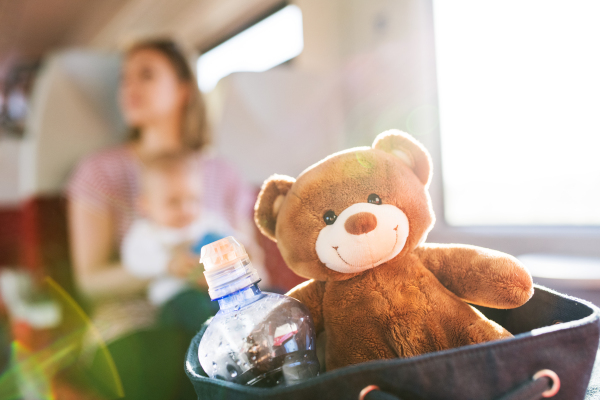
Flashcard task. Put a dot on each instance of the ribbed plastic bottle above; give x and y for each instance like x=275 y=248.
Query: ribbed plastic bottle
x=257 y=338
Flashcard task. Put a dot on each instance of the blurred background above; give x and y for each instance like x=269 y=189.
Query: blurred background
x=505 y=96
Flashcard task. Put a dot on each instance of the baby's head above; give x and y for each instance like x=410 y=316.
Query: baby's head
x=171 y=190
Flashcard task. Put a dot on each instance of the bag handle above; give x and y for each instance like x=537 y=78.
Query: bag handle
x=544 y=384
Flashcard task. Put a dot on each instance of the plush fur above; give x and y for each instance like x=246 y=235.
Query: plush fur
x=354 y=224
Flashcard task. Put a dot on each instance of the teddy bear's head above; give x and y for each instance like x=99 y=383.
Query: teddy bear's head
x=352 y=211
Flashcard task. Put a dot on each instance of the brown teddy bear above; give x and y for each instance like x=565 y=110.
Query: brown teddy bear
x=355 y=224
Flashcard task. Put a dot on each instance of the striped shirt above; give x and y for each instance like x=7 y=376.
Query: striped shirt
x=109 y=181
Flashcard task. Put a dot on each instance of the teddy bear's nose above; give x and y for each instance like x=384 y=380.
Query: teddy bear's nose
x=362 y=222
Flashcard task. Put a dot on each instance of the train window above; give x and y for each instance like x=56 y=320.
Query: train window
x=519 y=94
x=270 y=42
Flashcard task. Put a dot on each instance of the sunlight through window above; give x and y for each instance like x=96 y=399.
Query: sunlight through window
x=272 y=41
x=519 y=95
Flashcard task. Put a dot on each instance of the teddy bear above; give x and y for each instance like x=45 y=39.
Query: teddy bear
x=355 y=225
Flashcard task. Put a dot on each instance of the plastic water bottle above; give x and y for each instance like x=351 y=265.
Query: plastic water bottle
x=257 y=338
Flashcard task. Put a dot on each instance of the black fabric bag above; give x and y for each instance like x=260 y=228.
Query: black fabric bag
x=552 y=332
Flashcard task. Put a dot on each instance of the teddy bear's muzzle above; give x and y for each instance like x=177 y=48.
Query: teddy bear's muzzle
x=363 y=236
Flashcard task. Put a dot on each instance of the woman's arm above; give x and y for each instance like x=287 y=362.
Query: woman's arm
x=91 y=241
x=240 y=198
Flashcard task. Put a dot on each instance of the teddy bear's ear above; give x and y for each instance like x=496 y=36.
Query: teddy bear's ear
x=407 y=149
x=269 y=202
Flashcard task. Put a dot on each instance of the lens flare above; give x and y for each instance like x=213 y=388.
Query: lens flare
x=31 y=371
x=362 y=160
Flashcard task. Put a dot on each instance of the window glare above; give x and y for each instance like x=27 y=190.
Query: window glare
x=519 y=95
x=270 y=42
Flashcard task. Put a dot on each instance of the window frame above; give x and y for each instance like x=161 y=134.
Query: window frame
x=569 y=240
x=253 y=20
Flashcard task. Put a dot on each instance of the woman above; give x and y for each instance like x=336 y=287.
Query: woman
x=163 y=107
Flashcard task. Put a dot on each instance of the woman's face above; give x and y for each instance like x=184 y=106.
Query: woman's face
x=150 y=89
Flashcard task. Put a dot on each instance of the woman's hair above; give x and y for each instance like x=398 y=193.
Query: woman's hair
x=195 y=132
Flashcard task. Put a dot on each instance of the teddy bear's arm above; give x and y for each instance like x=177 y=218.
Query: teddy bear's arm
x=310 y=293
x=477 y=275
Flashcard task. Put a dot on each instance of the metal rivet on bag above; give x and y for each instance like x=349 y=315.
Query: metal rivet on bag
x=366 y=390
x=553 y=377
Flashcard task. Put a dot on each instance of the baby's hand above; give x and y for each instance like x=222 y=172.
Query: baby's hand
x=186 y=265
x=182 y=264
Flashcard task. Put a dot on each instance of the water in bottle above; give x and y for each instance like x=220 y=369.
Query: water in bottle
x=257 y=338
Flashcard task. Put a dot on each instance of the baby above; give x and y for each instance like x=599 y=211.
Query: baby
x=163 y=245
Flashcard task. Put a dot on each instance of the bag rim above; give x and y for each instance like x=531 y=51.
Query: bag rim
x=533 y=335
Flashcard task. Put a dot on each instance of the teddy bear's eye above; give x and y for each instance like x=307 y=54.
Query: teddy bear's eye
x=329 y=217
x=374 y=199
